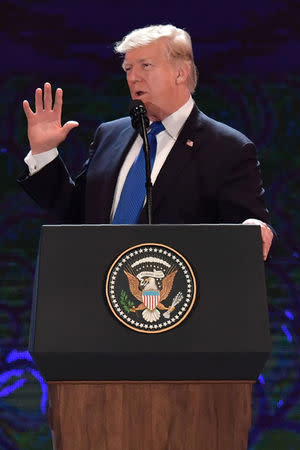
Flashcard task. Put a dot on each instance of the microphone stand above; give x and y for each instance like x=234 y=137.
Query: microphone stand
x=140 y=122
x=148 y=183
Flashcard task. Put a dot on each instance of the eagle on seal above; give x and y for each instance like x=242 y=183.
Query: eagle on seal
x=151 y=288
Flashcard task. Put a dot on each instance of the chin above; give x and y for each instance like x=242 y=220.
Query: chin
x=154 y=112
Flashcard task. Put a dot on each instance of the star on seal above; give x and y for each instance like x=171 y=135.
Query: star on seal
x=150 y=288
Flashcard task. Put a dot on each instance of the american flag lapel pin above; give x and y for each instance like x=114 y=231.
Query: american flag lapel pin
x=190 y=143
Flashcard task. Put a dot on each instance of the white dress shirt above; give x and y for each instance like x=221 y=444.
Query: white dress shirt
x=165 y=141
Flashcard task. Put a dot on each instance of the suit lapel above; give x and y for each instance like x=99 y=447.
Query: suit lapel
x=103 y=173
x=182 y=154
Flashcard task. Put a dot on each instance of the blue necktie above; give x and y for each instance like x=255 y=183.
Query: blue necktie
x=134 y=189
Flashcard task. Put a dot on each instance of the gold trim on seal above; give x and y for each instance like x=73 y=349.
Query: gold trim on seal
x=144 y=245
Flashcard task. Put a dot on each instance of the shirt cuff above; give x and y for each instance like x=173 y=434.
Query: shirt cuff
x=40 y=160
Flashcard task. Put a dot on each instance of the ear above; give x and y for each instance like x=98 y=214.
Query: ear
x=183 y=71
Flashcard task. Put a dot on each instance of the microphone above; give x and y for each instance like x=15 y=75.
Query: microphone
x=138 y=114
x=140 y=123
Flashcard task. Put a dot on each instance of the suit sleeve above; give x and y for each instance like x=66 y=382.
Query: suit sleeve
x=241 y=194
x=53 y=189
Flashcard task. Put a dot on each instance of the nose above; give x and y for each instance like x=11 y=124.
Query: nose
x=134 y=74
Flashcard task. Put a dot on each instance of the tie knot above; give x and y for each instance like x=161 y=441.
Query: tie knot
x=156 y=128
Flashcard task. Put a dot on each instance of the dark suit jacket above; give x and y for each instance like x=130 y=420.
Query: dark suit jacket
x=217 y=180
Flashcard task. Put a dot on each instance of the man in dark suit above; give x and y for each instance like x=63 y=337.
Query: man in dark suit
x=203 y=171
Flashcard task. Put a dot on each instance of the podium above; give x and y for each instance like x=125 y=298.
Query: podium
x=183 y=387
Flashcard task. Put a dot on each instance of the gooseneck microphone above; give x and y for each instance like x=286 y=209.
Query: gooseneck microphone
x=140 y=123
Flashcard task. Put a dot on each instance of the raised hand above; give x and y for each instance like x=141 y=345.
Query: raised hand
x=44 y=125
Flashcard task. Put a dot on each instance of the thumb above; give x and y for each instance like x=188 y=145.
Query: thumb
x=69 y=126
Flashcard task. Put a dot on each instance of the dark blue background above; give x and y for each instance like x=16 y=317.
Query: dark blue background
x=247 y=54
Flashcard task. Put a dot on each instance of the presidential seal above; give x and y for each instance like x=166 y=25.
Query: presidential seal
x=150 y=288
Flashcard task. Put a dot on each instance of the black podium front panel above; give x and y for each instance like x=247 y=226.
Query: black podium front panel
x=75 y=336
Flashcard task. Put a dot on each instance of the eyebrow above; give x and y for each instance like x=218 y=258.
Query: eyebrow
x=138 y=61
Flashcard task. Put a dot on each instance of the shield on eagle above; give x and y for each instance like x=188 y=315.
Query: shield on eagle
x=151 y=299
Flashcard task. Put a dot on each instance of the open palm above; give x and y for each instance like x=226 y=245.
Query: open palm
x=44 y=125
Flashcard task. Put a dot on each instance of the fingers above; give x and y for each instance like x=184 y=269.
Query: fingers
x=27 y=110
x=69 y=126
x=58 y=101
x=47 y=96
x=266 y=235
x=46 y=105
x=38 y=100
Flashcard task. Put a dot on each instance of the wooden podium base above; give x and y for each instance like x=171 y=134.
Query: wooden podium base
x=201 y=415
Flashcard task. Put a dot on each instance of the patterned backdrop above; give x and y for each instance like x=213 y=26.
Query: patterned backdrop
x=249 y=77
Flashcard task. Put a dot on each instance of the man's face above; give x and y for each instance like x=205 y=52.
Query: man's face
x=152 y=79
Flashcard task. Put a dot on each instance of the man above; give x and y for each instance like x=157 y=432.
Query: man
x=203 y=171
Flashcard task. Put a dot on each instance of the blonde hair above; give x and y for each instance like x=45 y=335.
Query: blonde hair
x=178 y=45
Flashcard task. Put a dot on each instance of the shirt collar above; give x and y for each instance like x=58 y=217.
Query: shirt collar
x=175 y=121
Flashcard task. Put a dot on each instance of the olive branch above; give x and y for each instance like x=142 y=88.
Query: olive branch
x=127 y=304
